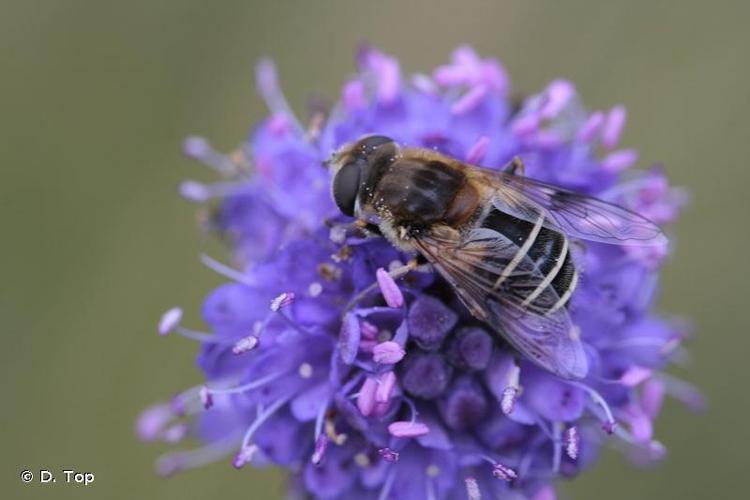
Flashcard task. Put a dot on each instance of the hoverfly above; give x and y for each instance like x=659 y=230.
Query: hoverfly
x=500 y=239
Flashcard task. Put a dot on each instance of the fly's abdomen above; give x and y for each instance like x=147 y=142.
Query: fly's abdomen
x=549 y=250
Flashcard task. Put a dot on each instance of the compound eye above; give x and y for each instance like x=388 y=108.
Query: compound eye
x=368 y=144
x=346 y=187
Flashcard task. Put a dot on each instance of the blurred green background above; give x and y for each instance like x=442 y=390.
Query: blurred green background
x=97 y=97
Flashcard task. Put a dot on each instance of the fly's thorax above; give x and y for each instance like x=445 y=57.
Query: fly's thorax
x=417 y=191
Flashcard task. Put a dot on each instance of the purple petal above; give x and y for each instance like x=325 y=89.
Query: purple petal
x=430 y=321
x=425 y=375
x=553 y=399
x=349 y=338
x=152 y=421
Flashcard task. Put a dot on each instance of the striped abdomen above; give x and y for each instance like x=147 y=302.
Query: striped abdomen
x=548 y=249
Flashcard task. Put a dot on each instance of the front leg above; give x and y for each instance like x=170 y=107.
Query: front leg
x=515 y=167
x=368 y=227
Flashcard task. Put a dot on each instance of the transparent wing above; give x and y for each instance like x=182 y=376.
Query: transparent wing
x=473 y=265
x=577 y=215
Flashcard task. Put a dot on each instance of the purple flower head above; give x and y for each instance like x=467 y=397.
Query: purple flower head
x=328 y=355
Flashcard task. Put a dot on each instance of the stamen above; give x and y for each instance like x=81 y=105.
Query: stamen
x=384 y=70
x=337 y=234
x=635 y=375
x=504 y=472
x=591 y=127
x=268 y=86
x=390 y=290
x=283 y=300
x=289 y=321
x=195 y=191
x=545 y=493
x=657 y=450
x=512 y=389
x=366 y=396
x=388 y=455
x=641 y=426
x=403 y=429
x=206 y=398
x=424 y=84
x=412 y=408
x=558 y=94
x=652 y=397
x=185 y=403
x=175 y=433
x=198 y=148
x=244 y=456
x=226 y=271
x=245 y=344
x=476 y=152
x=617 y=161
x=199 y=192
x=613 y=126
x=609 y=426
x=170 y=320
x=319 y=419
x=167 y=465
x=572 y=441
x=385 y=491
x=262 y=417
x=671 y=345
x=198 y=336
x=508 y=402
x=368 y=330
x=394 y=275
x=386 y=384
x=530 y=452
x=353 y=95
x=665 y=346
x=469 y=100
x=525 y=125
x=472 y=489
x=246 y=387
x=388 y=353
x=683 y=392
x=609 y=423
x=152 y=421
x=321 y=444
x=278 y=125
